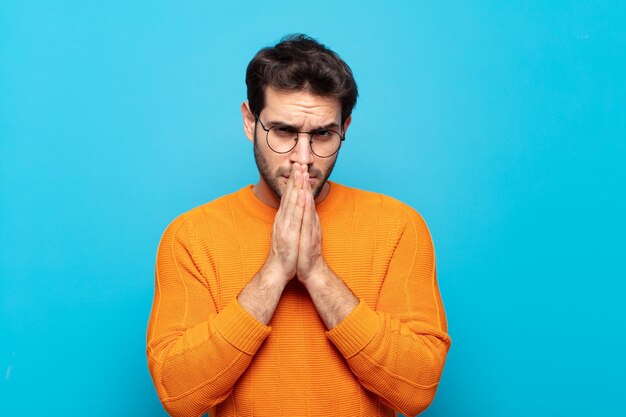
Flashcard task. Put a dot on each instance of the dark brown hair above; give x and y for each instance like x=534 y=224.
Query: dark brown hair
x=298 y=62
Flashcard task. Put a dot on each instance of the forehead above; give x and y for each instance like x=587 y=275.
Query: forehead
x=301 y=107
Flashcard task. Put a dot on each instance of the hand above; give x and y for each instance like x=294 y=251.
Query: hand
x=283 y=256
x=310 y=259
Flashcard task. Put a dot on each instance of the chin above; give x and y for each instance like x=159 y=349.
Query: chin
x=278 y=186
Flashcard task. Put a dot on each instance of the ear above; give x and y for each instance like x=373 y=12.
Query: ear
x=346 y=124
x=248 y=121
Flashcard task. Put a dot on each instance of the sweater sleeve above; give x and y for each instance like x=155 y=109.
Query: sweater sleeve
x=195 y=353
x=398 y=349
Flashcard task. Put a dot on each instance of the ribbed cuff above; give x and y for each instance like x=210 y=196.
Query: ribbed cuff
x=355 y=331
x=240 y=329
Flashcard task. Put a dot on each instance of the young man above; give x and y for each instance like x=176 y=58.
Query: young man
x=297 y=296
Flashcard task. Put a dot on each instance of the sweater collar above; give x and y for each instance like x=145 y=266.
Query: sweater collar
x=252 y=206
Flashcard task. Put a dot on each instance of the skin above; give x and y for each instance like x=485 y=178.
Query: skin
x=294 y=183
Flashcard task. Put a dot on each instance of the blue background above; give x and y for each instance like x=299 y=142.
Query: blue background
x=503 y=123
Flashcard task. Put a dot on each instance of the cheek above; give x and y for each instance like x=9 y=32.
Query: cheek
x=323 y=169
x=271 y=164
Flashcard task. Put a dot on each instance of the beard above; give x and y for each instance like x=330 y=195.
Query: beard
x=272 y=179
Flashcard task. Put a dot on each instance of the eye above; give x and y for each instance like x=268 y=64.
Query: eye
x=324 y=134
x=284 y=132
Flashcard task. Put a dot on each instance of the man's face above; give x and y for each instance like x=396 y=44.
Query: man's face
x=304 y=112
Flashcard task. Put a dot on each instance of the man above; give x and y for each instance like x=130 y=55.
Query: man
x=297 y=296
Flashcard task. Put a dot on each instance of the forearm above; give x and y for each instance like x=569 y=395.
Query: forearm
x=213 y=361
x=196 y=352
x=333 y=300
x=219 y=350
x=400 y=361
x=387 y=357
x=397 y=345
x=261 y=295
x=198 y=367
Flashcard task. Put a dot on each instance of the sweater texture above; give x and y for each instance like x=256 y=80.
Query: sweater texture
x=207 y=354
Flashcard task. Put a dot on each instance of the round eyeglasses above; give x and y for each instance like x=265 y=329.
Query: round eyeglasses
x=282 y=139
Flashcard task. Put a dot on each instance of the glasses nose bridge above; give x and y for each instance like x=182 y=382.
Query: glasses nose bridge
x=309 y=134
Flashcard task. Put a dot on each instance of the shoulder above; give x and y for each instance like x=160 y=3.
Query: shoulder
x=199 y=216
x=386 y=207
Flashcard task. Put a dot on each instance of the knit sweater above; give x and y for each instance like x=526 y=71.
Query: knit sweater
x=206 y=353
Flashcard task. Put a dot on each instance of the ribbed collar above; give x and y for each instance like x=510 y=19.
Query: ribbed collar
x=249 y=203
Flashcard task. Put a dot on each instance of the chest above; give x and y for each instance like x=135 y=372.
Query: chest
x=358 y=252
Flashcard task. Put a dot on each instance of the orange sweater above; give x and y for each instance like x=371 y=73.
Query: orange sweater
x=205 y=352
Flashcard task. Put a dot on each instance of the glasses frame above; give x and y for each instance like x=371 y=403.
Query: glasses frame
x=297 y=137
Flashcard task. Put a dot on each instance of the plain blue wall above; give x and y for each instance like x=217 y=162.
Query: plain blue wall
x=503 y=123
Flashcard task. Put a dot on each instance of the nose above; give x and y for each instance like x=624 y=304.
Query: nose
x=302 y=153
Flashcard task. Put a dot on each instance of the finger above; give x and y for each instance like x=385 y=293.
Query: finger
x=315 y=228
x=305 y=231
x=295 y=224
x=307 y=191
x=292 y=200
x=285 y=197
x=300 y=203
x=315 y=224
x=311 y=206
x=288 y=197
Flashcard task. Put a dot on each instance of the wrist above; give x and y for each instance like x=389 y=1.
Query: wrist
x=273 y=273
x=317 y=278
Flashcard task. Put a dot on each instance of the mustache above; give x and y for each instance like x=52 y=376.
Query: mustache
x=313 y=172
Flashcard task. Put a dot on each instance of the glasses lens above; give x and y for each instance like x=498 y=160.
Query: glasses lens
x=325 y=143
x=281 y=139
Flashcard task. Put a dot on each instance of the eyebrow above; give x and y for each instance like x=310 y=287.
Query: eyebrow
x=328 y=126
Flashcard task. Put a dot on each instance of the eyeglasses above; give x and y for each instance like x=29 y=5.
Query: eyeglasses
x=282 y=139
